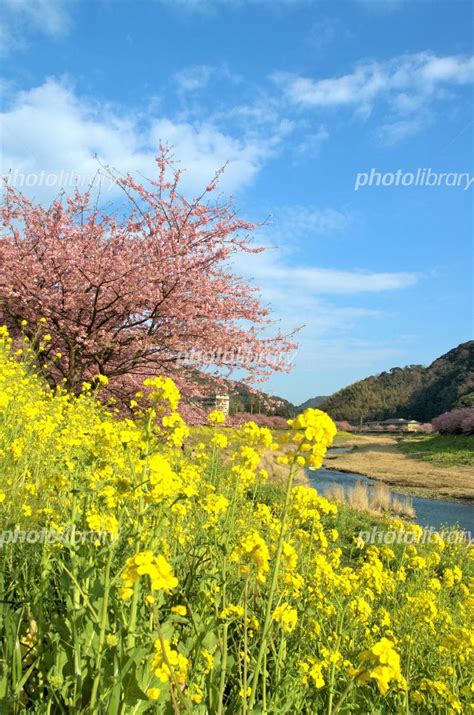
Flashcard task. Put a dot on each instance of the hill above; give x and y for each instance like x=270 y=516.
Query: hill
x=244 y=399
x=312 y=402
x=415 y=391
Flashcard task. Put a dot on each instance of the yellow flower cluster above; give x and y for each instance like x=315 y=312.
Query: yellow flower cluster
x=312 y=431
x=252 y=550
x=382 y=663
x=162 y=390
x=176 y=429
x=168 y=663
x=286 y=616
x=216 y=588
x=216 y=417
x=146 y=563
x=102 y=522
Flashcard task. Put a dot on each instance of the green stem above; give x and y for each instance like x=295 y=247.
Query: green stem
x=229 y=518
x=133 y=615
x=279 y=658
x=136 y=587
x=333 y=665
x=103 y=626
x=244 y=710
x=344 y=694
x=75 y=604
x=264 y=687
x=276 y=570
x=220 y=708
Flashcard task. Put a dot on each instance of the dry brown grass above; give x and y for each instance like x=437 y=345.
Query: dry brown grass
x=380 y=497
x=379 y=458
x=376 y=500
x=403 y=506
x=336 y=493
x=358 y=497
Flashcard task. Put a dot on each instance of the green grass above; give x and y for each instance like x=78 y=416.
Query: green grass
x=342 y=437
x=444 y=450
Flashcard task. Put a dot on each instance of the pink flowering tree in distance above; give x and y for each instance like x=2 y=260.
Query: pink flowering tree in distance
x=460 y=421
x=130 y=292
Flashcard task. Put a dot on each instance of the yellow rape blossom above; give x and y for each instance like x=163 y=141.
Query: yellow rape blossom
x=146 y=563
x=216 y=417
x=382 y=664
x=286 y=616
x=252 y=549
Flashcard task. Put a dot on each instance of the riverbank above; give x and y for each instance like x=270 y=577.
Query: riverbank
x=380 y=457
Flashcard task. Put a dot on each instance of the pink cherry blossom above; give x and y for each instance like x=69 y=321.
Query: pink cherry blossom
x=128 y=292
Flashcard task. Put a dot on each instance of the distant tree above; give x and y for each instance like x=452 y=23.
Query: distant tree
x=426 y=427
x=132 y=294
x=270 y=421
x=466 y=400
x=467 y=424
x=455 y=422
x=344 y=426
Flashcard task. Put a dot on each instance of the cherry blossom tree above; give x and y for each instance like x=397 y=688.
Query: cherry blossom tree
x=345 y=426
x=129 y=292
x=460 y=421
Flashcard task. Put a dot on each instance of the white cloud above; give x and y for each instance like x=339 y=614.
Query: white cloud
x=448 y=69
x=262 y=111
x=268 y=268
x=194 y=77
x=311 y=143
x=203 y=149
x=307 y=221
x=300 y=295
x=49 y=128
x=356 y=88
x=382 y=5
x=393 y=132
x=321 y=302
x=306 y=296
x=206 y=5
x=20 y=18
x=197 y=77
x=407 y=84
x=352 y=352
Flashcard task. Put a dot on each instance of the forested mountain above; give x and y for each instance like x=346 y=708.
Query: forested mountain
x=415 y=391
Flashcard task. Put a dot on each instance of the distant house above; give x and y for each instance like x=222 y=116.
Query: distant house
x=401 y=424
x=395 y=423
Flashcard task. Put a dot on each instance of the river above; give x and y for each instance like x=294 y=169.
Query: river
x=437 y=513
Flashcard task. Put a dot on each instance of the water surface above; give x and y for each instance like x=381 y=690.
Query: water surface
x=437 y=513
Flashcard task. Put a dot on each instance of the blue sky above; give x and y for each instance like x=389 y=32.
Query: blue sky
x=299 y=97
